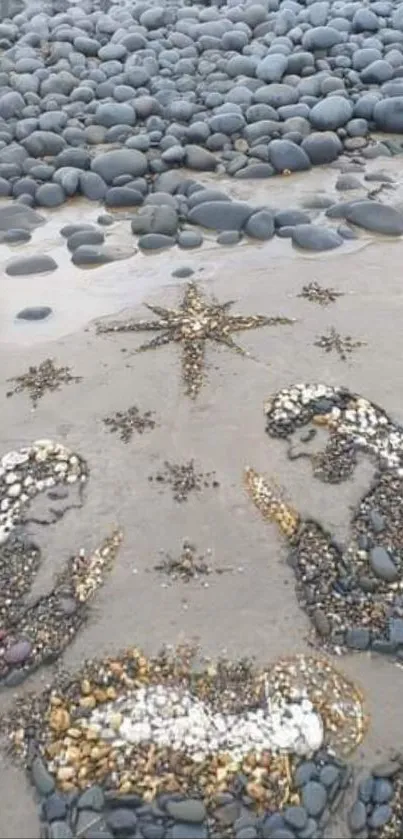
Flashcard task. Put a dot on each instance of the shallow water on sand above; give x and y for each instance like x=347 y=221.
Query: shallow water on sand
x=78 y=295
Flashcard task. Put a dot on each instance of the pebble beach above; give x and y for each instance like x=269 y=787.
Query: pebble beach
x=201 y=497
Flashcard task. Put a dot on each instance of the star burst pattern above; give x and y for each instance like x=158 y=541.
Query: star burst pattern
x=191 y=325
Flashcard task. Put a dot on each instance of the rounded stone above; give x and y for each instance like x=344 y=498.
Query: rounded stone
x=296 y=817
x=382 y=564
x=112 y=164
x=50 y=195
x=123 y=196
x=383 y=791
x=314 y=798
x=287 y=156
x=200 y=159
x=189 y=239
x=15 y=236
x=272 y=68
x=189 y=810
x=114 y=113
x=34 y=313
x=358 y=638
x=376 y=217
x=388 y=114
x=92 y=186
x=155 y=219
x=322 y=148
x=380 y=816
x=183 y=272
x=155 y=241
x=85 y=237
x=332 y=112
x=229 y=237
x=90 y=255
x=286 y=218
x=357 y=817
x=210 y=214
x=25 y=265
x=260 y=225
x=18 y=652
x=313 y=238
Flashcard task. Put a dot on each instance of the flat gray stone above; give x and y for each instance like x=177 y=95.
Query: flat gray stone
x=260 y=225
x=382 y=564
x=85 y=237
x=123 y=196
x=155 y=219
x=313 y=238
x=18 y=215
x=42 y=779
x=189 y=810
x=200 y=159
x=189 y=239
x=34 y=313
x=357 y=817
x=111 y=164
x=314 y=798
x=210 y=215
x=36 y=264
x=229 y=237
x=287 y=156
x=155 y=241
x=376 y=217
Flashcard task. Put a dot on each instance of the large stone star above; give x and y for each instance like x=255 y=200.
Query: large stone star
x=194 y=323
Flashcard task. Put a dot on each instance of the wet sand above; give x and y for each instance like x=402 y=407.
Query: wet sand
x=253 y=610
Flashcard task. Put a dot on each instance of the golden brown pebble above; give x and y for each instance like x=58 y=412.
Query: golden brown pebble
x=270 y=504
x=194 y=323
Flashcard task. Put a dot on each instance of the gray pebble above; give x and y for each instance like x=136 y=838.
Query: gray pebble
x=383 y=791
x=382 y=564
x=313 y=238
x=229 y=237
x=289 y=218
x=182 y=272
x=122 y=196
x=358 y=638
x=189 y=239
x=200 y=159
x=314 y=798
x=24 y=265
x=54 y=807
x=296 y=817
x=376 y=217
x=357 y=817
x=380 y=816
x=187 y=830
x=210 y=214
x=34 y=313
x=322 y=148
x=42 y=779
x=60 y=830
x=111 y=164
x=15 y=236
x=260 y=225
x=189 y=810
x=50 y=195
x=287 y=156
x=92 y=799
x=155 y=241
x=85 y=237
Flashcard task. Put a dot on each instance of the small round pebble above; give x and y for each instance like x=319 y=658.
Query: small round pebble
x=34 y=313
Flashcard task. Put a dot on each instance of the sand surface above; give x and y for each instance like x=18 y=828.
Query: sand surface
x=253 y=609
